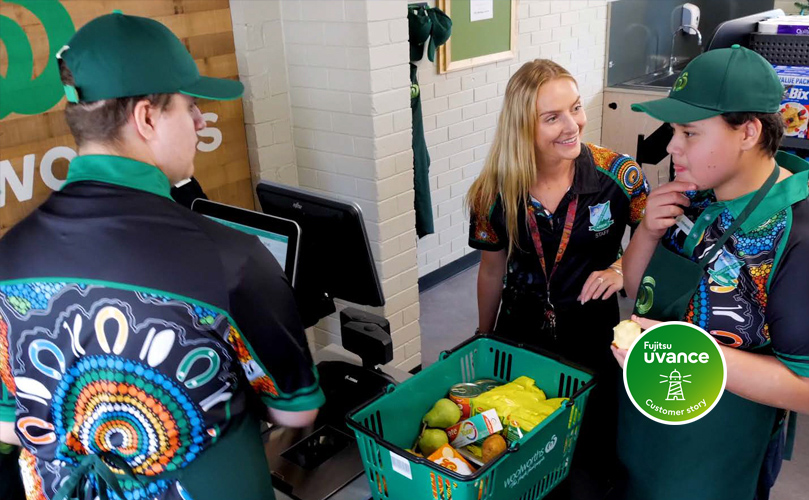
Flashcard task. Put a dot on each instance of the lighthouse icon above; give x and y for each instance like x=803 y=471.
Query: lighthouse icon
x=675 y=381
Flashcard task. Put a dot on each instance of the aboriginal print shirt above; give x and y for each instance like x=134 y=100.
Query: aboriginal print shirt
x=611 y=190
x=755 y=293
x=132 y=326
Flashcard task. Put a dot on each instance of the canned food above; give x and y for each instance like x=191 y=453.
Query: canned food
x=487 y=384
x=462 y=394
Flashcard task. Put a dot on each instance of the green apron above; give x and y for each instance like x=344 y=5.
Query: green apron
x=234 y=467
x=718 y=457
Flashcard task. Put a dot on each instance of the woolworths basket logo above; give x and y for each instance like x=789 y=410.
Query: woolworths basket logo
x=20 y=92
x=532 y=463
x=675 y=373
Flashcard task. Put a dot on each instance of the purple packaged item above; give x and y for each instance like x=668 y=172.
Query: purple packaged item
x=793 y=29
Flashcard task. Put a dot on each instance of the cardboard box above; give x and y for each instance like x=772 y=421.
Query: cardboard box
x=795 y=103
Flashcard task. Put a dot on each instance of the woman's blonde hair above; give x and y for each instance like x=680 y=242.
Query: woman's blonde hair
x=510 y=168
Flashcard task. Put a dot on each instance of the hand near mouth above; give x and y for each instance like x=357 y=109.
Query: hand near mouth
x=664 y=205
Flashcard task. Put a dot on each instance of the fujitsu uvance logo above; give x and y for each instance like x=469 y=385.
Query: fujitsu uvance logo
x=20 y=92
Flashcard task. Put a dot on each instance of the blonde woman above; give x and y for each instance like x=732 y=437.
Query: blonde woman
x=549 y=213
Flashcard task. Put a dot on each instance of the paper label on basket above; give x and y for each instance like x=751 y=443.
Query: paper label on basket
x=401 y=465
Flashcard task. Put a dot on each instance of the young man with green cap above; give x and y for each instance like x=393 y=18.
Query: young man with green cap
x=140 y=343
x=723 y=247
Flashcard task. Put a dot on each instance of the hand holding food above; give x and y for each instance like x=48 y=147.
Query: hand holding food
x=625 y=334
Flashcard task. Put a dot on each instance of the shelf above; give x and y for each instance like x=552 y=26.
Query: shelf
x=795 y=143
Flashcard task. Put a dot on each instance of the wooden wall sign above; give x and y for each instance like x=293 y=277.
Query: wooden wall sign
x=35 y=142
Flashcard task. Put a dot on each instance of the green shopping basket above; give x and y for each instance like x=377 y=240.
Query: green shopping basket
x=528 y=470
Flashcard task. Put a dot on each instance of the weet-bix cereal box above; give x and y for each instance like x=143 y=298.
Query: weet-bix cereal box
x=795 y=80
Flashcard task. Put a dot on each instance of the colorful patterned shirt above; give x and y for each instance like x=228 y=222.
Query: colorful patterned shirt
x=131 y=326
x=611 y=190
x=755 y=292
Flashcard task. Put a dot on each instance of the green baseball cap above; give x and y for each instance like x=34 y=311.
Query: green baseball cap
x=117 y=55
x=719 y=81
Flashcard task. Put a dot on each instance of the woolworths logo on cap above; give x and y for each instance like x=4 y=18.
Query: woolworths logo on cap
x=681 y=82
x=675 y=373
x=20 y=91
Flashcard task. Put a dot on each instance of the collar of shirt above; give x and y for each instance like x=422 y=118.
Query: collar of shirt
x=585 y=181
x=785 y=193
x=120 y=171
x=585 y=177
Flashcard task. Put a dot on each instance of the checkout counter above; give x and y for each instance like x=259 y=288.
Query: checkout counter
x=341 y=476
x=323 y=462
x=323 y=247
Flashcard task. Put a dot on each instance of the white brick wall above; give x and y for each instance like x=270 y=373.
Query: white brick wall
x=259 y=42
x=349 y=85
x=460 y=109
x=327 y=107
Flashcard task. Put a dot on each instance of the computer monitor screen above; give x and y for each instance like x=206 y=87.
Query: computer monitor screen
x=277 y=244
x=737 y=31
x=335 y=255
x=280 y=236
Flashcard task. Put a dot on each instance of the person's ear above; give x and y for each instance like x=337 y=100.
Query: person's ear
x=751 y=134
x=143 y=118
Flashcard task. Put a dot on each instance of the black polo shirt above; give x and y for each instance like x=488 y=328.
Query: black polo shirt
x=131 y=325
x=611 y=190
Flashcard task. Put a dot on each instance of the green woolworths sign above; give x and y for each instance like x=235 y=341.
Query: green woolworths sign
x=20 y=92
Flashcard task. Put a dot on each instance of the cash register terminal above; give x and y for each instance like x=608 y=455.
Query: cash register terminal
x=322 y=244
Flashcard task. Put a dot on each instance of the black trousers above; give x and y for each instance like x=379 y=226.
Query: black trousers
x=11 y=487
x=583 y=336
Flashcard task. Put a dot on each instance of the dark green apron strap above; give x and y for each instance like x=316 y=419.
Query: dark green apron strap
x=79 y=484
x=791 y=426
x=748 y=209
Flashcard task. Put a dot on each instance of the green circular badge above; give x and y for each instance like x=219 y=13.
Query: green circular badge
x=675 y=373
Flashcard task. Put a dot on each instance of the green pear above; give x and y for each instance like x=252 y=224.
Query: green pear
x=445 y=413
x=431 y=440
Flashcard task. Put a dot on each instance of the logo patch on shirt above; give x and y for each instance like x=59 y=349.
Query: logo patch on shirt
x=725 y=272
x=600 y=217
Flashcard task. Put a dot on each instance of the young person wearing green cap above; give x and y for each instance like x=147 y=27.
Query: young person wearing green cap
x=140 y=343
x=723 y=247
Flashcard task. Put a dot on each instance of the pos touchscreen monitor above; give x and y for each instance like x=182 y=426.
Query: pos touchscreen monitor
x=335 y=256
x=280 y=236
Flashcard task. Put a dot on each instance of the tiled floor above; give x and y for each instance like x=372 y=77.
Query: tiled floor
x=449 y=316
